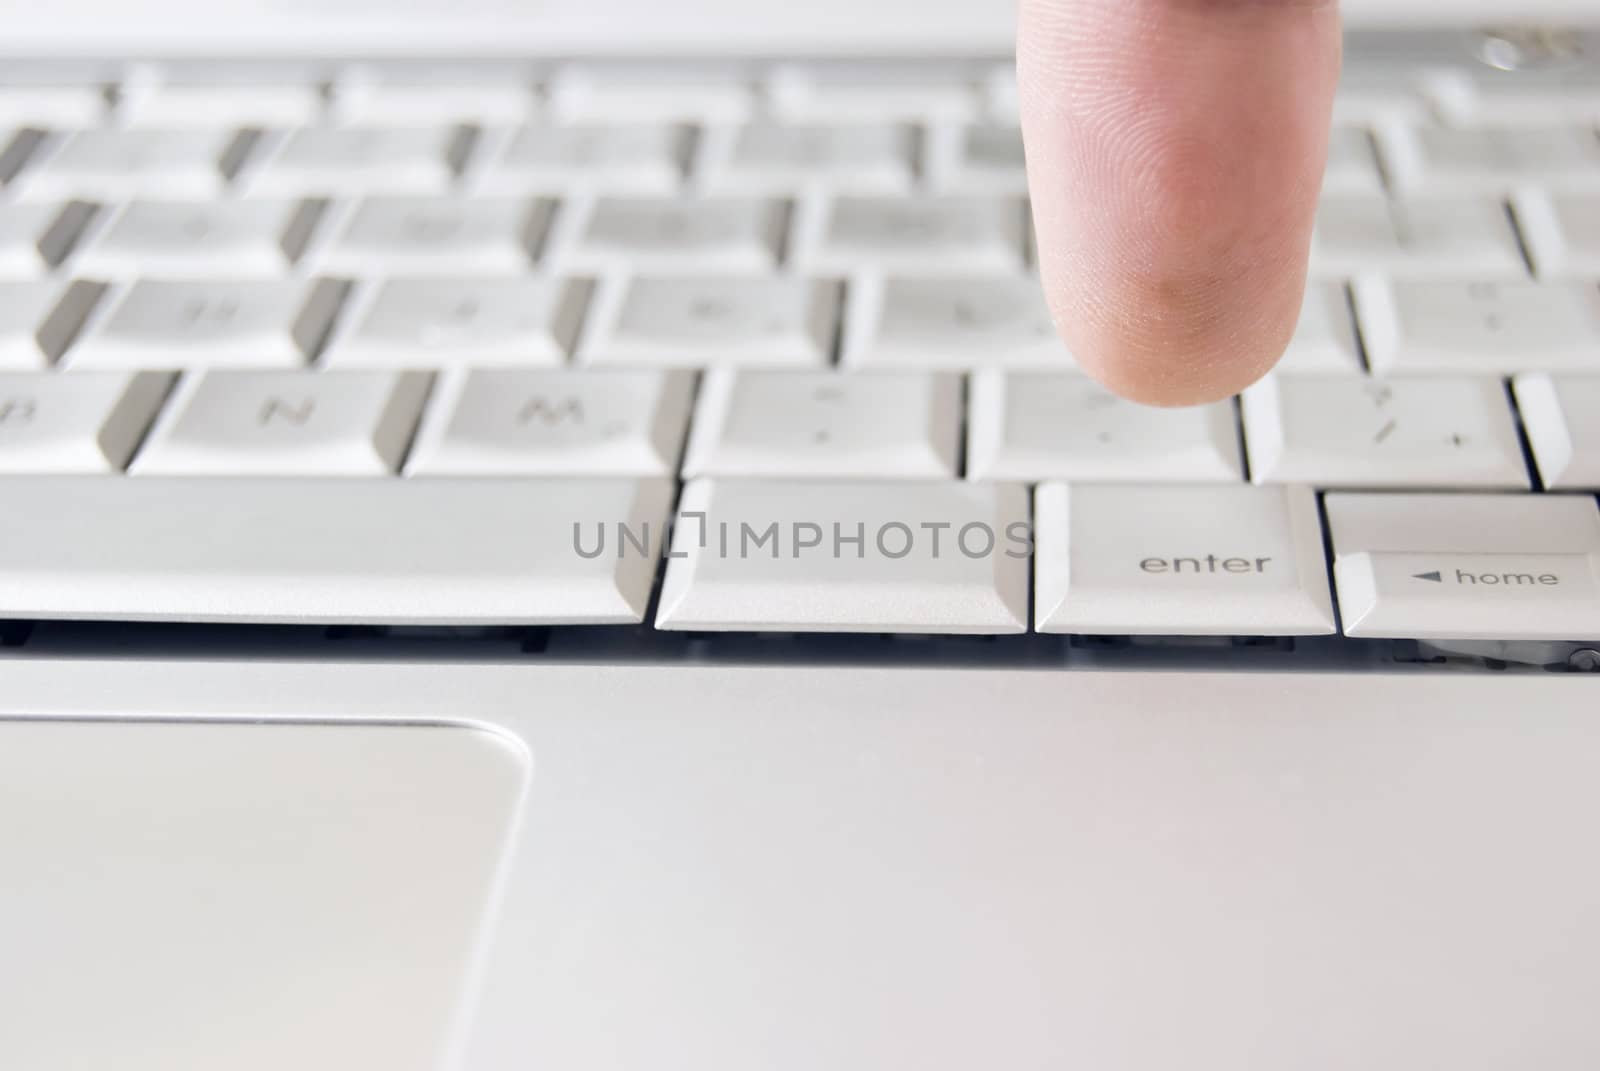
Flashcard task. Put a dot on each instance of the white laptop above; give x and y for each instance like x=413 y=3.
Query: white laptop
x=540 y=534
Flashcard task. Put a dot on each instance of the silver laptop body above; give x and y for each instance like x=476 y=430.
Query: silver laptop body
x=557 y=535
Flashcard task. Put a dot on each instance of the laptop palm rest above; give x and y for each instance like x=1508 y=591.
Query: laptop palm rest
x=245 y=896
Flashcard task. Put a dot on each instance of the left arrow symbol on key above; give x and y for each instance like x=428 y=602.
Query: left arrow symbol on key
x=1433 y=576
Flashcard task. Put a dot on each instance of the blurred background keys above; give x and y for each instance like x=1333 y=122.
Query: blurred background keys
x=623 y=159
x=88 y=422
x=715 y=235
x=39 y=319
x=327 y=161
x=430 y=321
x=773 y=321
x=912 y=236
x=960 y=323
x=35 y=236
x=111 y=164
x=771 y=158
x=1448 y=237
x=1486 y=328
x=1563 y=233
x=286 y=424
x=428 y=235
x=163 y=323
x=237 y=238
x=489 y=422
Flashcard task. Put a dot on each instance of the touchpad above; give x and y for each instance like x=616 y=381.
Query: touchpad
x=245 y=896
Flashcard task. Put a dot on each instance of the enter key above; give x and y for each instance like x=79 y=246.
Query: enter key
x=1478 y=567
x=1185 y=560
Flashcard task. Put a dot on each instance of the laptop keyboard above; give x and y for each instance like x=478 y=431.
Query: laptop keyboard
x=763 y=349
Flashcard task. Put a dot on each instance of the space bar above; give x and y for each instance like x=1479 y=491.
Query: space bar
x=328 y=551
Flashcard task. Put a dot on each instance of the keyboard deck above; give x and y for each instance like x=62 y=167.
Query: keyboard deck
x=759 y=348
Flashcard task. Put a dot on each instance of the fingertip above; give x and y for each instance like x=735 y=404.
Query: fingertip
x=1179 y=339
x=1175 y=153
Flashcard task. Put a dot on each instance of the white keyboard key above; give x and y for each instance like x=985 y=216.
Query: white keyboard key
x=177 y=105
x=555 y=423
x=956 y=323
x=1352 y=162
x=39 y=319
x=1324 y=341
x=437 y=235
x=805 y=556
x=1562 y=418
x=87 y=422
x=770 y=158
x=434 y=322
x=443 y=95
x=310 y=551
x=977 y=159
x=59 y=106
x=1474 y=567
x=286 y=424
x=333 y=161
x=1425 y=159
x=877 y=93
x=912 y=236
x=1345 y=432
x=35 y=237
x=1563 y=233
x=113 y=164
x=166 y=323
x=628 y=159
x=1000 y=94
x=654 y=235
x=1479 y=328
x=1180 y=561
x=17 y=147
x=823 y=425
x=232 y=238
x=1059 y=426
x=635 y=93
x=1562 y=93
x=776 y=321
x=1448 y=237
x=1375 y=93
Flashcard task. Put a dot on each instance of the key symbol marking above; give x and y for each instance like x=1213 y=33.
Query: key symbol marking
x=965 y=315
x=289 y=412
x=543 y=410
x=17 y=411
x=709 y=309
x=218 y=313
x=431 y=228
